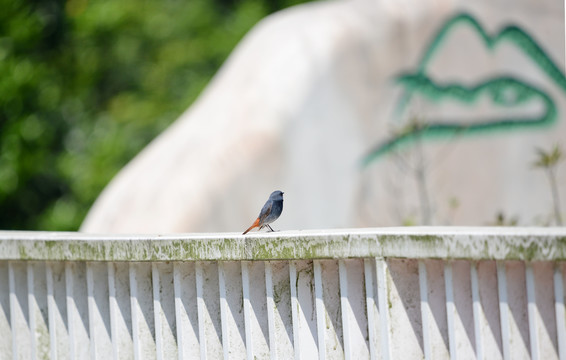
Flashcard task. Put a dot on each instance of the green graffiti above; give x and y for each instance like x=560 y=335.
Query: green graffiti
x=511 y=33
x=504 y=92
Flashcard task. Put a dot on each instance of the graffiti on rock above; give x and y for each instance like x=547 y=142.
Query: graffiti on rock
x=503 y=92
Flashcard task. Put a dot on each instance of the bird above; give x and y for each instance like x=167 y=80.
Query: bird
x=269 y=212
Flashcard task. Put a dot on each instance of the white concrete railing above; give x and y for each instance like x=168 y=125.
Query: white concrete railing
x=392 y=293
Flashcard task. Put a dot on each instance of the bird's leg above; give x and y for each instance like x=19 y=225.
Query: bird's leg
x=269 y=227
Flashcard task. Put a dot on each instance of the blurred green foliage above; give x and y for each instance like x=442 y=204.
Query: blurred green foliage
x=85 y=85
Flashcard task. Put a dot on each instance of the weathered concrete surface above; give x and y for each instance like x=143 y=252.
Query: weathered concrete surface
x=417 y=243
x=312 y=92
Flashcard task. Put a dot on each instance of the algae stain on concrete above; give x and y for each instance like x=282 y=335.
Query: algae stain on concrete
x=279 y=290
x=23 y=252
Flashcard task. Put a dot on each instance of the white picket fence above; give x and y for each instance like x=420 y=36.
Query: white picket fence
x=393 y=293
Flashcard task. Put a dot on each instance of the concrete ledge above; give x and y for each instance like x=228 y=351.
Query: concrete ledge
x=410 y=242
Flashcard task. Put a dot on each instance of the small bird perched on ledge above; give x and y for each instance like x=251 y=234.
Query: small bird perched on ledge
x=270 y=211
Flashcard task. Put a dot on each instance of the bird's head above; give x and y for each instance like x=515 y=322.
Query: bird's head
x=276 y=195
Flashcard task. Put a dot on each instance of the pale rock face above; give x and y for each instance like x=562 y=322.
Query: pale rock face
x=311 y=91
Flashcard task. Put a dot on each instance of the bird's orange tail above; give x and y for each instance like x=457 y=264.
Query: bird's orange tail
x=255 y=224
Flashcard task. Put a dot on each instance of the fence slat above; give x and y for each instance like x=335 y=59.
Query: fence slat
x=371 y=308
x=157 y=311
x=382 y=295
x=477 y=311
x=425 y=310
x=450 y=309
x=345 y=308
x=113 y=309
x=91 y=310
x=51 y=311
x=531 y=299
x=201 y=308
x=5 y=326
x=21 y=336
x=295 y=310
x=134 y=306
x=559 y=310
x=320 y=311
x=72 y=311
x=32 y=304
x=270 y=311
x=503 y=309
x=223 y=311
x=247 y=310
x=13 y=309
x=179 y=311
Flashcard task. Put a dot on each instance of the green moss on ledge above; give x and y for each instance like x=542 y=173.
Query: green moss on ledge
x=534 y=244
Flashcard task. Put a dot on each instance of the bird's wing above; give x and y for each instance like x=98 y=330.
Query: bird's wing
x=265 y=211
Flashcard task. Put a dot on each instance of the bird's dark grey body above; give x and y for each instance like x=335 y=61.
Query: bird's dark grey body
x=272 y=208
x=269 y=212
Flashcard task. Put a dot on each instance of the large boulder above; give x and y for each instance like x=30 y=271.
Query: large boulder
x=364 y=113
